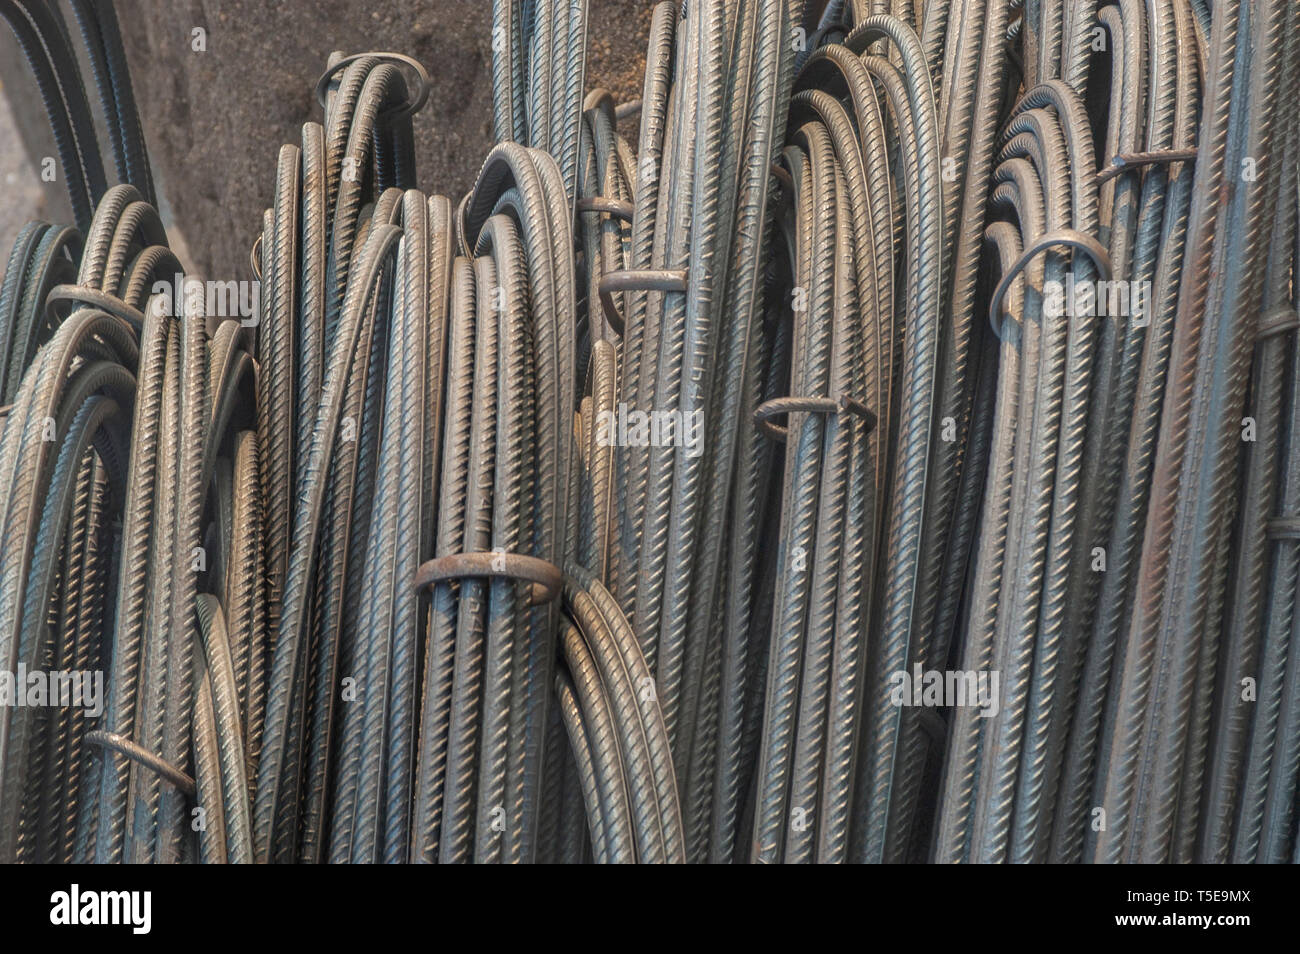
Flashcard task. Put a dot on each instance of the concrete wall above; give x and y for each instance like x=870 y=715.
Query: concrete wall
x=215 y=120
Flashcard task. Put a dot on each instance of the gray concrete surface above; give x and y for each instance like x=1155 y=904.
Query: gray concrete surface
x=214 y=120
x=24 y=198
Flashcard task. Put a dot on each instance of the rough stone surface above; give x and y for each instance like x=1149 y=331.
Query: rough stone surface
x=215 y=120
x=24 y=199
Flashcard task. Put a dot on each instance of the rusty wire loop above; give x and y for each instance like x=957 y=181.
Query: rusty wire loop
x=546 y=579
x=125 y=747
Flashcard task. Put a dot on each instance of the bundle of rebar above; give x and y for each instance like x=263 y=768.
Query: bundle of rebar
x=878 y=443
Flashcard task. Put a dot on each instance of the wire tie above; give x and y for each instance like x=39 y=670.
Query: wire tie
x=1277 y=322
x=255 y=257
x=636 y=279
x=809 y=405
x=143 y=757
x=546 y=578
x=1067 y=237
x=615 y=207
x=782 y=173
x=1127 y=161
x=412 y=105
x=93 y=298
x=1283 y=528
